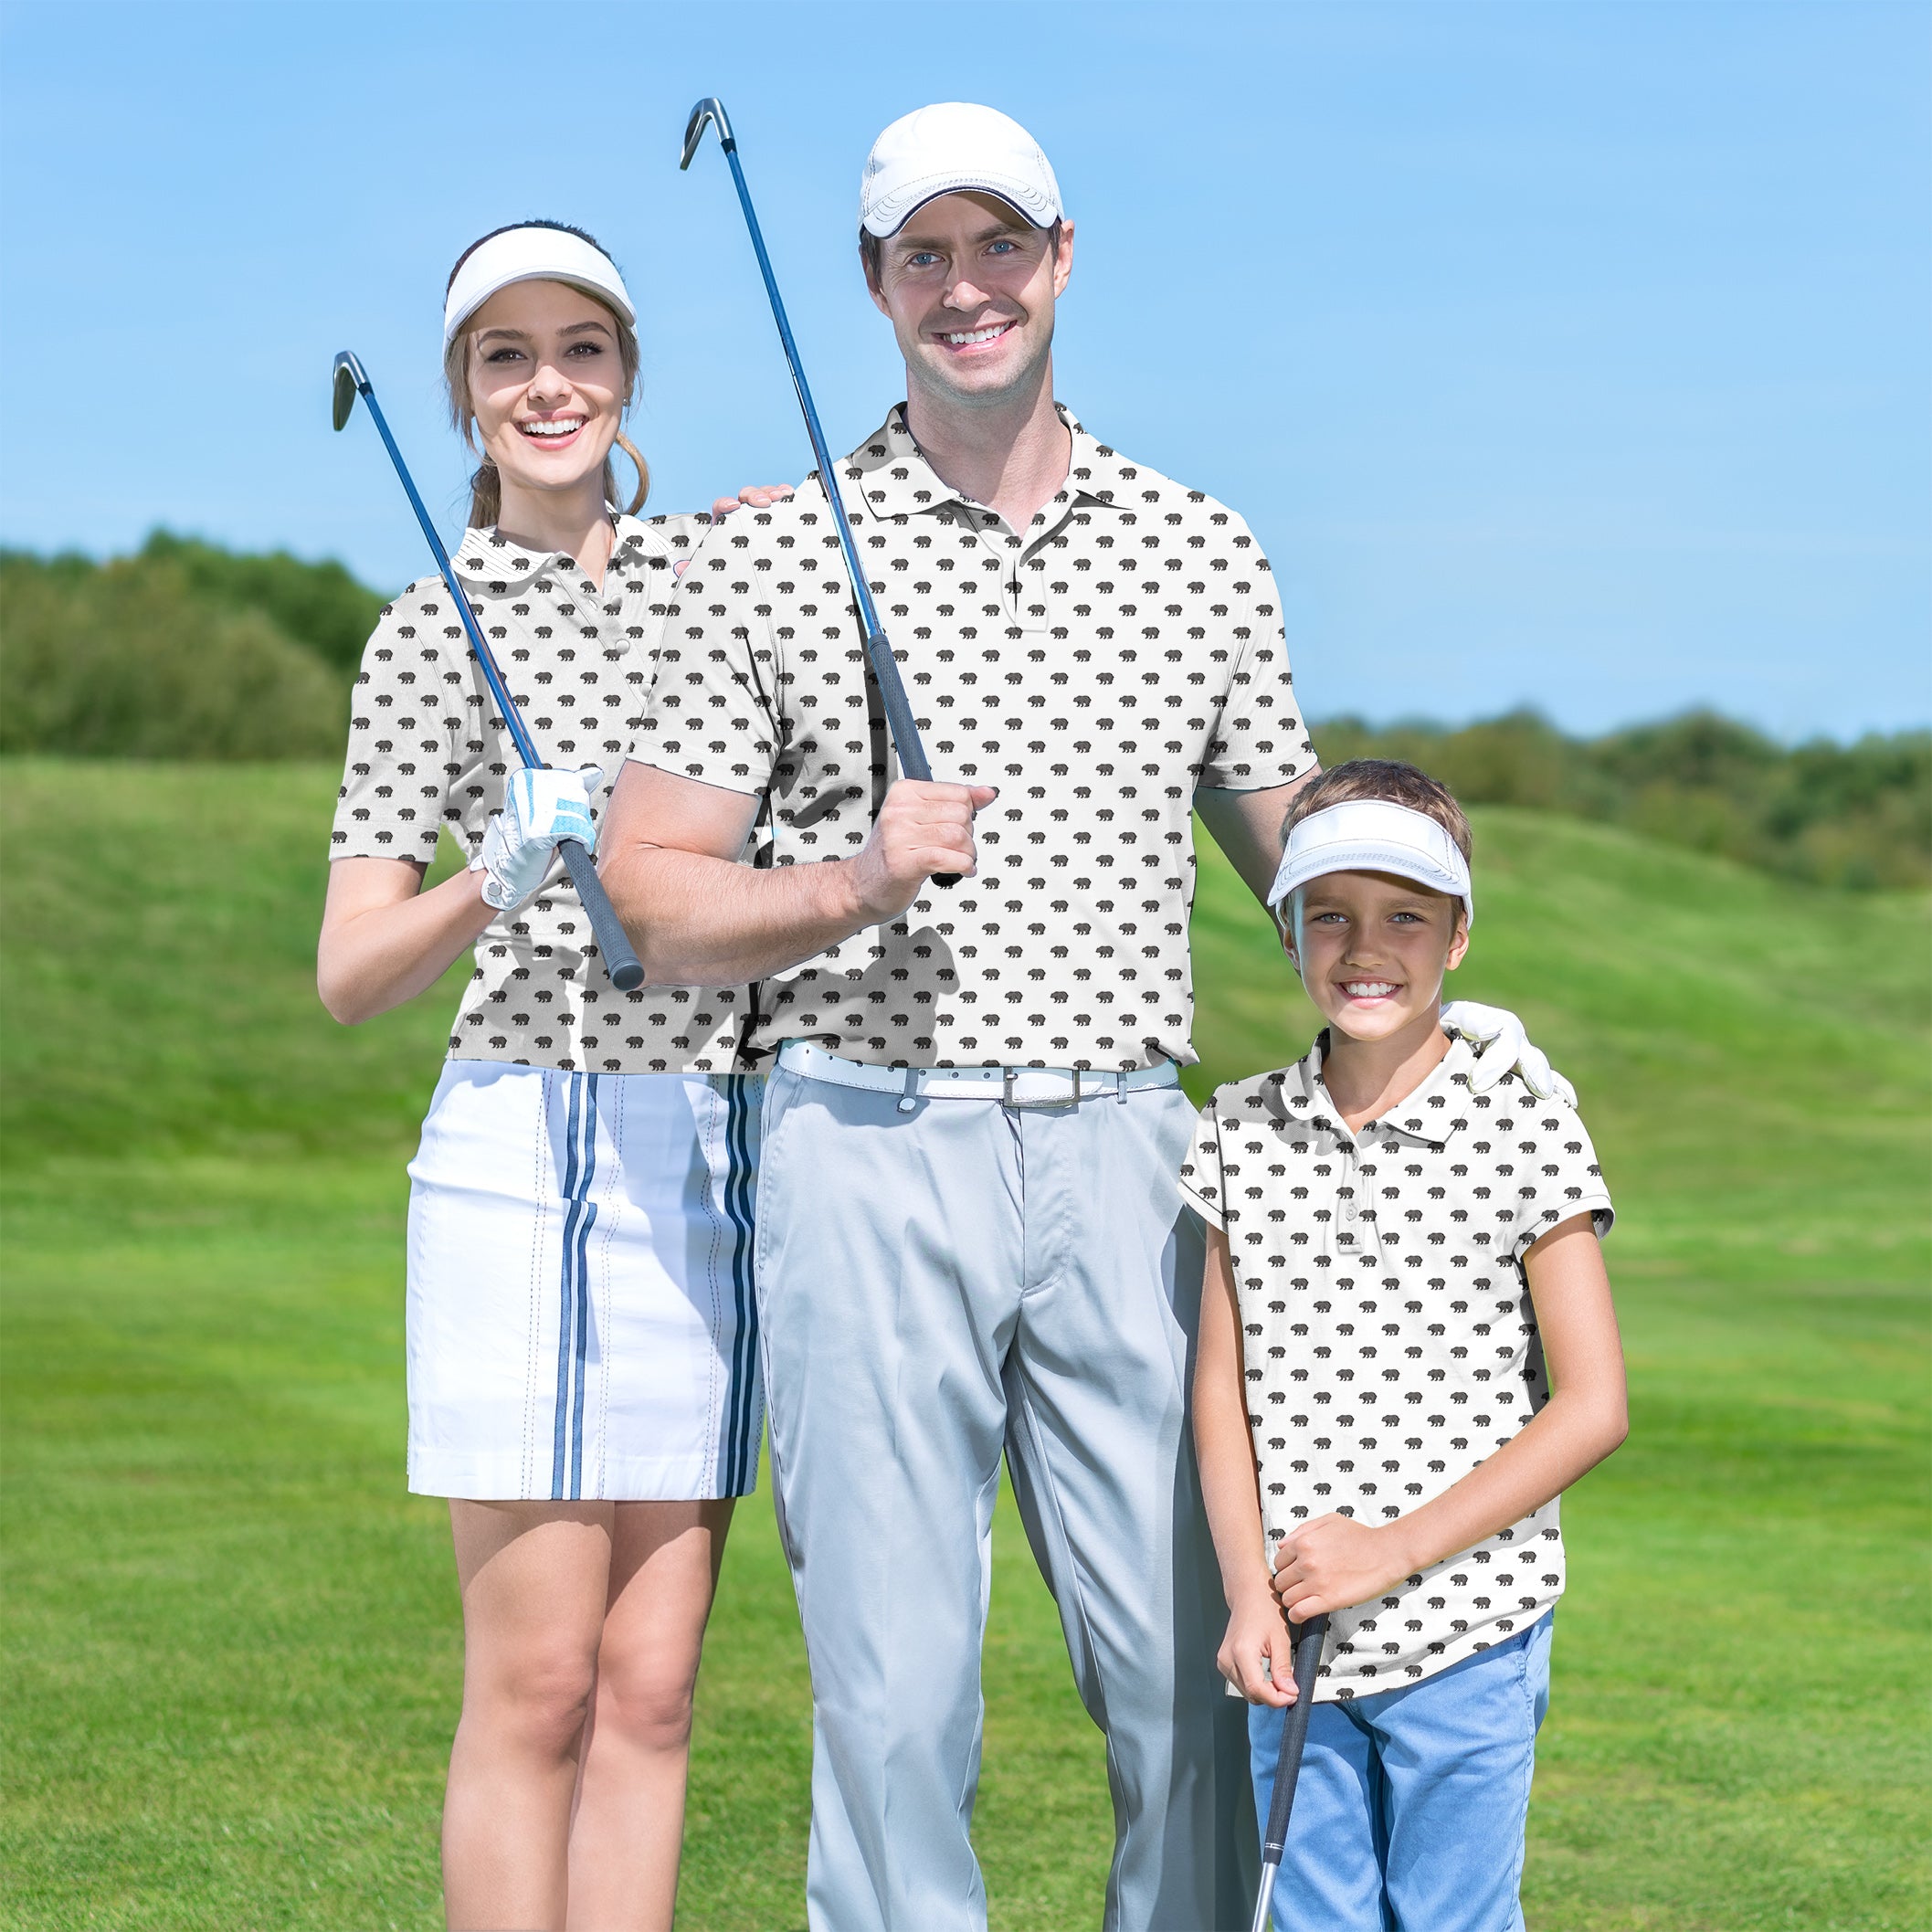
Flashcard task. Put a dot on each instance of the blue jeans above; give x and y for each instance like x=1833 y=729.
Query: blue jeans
x=1409 y=1813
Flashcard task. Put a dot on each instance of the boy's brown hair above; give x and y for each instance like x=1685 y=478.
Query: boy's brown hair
x=1387 y=779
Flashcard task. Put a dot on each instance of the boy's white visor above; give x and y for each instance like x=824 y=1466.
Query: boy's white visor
x=532 y=254
x=1374 y=835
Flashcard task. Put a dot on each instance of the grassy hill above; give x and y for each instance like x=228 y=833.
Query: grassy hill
x=232 y=1642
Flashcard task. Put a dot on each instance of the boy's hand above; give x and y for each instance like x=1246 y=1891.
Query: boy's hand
x=1335 y=1563
x=1257 y=1655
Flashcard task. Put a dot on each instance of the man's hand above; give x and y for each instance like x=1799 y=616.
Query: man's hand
x=1257 y=1655
x=754 y=496
x=1335 y=1563
x=1504 y=1044
x=920 y=829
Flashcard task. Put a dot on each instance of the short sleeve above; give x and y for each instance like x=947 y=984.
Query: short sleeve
x=1558 y=1173
x=1260 y=739
x=1200 y=1174
x=713 y=712
x=406 y=728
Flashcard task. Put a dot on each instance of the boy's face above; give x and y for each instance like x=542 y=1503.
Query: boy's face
x=1372 y=949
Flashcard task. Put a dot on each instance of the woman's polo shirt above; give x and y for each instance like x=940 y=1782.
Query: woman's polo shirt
x=427 y=749
x=1388 y=1342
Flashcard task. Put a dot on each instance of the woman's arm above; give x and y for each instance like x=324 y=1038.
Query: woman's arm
x=1334 y=1561
x=384 y=940
x=1256 y=1656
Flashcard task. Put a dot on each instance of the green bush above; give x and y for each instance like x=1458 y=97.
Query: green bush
x=130 y=659
x=318 y=605
x=188 y=650
x=1851 y=815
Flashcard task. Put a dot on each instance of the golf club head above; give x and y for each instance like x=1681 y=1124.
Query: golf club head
x=349 y=378
x=710 y=109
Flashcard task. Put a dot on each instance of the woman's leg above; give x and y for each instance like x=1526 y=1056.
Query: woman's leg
x=535 y=1580
x=629 y=1823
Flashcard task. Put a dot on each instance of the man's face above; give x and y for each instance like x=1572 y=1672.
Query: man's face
x=969 y=286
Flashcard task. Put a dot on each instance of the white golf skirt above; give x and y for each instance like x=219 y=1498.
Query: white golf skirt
x=581 y=1321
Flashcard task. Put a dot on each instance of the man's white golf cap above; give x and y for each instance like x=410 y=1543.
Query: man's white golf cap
x=535 y=252
x=955 y=148
x=1374 y=835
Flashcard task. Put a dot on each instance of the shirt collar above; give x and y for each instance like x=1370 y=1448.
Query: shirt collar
x=487 y=556
x=890 y=473
x=1429 y=1113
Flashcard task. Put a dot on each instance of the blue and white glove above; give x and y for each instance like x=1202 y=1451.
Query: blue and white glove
x=1499 y=1034
x=519 y=845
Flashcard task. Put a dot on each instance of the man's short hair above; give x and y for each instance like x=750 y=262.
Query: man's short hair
x=1385 y=778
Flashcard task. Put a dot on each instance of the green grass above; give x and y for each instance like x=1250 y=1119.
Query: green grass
x=231 y=1650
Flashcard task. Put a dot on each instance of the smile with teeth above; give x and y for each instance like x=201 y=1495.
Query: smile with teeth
x=1369 y=989
x=971 y=338
x=556 y=425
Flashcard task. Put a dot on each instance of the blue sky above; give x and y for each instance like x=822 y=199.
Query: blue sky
x=1564 y=353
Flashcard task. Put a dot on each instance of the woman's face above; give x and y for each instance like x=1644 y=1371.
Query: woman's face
x=546 y=382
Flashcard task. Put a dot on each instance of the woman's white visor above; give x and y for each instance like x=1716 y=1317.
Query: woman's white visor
x=533 y=254
x=1374 y=835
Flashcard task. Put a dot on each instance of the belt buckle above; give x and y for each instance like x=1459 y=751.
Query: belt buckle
x=1062 y=1100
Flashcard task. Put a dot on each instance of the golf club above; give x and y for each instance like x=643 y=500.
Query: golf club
x=1308 y=1638
x=878 y=649
x=620 y=959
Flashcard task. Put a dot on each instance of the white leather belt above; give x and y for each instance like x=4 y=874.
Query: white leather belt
x=1011 y=1086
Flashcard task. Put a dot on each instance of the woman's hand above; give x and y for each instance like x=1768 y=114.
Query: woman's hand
x=1257 y=1655
x=754 y=496
x=1335 y=1563
x=541 y=809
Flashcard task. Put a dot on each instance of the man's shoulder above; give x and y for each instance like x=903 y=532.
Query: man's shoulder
x=800 y=528
x=1140 y=490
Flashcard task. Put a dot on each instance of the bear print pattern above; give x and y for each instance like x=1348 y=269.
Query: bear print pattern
x=427 y=749
x=1097 y=668
x=1387 y=1339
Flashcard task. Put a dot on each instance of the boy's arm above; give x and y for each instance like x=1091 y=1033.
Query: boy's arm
x=1335 y=1562
x=1257 y=1638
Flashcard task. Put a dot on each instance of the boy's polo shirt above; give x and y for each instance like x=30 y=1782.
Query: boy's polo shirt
x=1096 y=667
x=1387 y=1339
x=426 y=749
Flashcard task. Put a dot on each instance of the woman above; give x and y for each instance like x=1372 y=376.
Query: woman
x=582 y=1346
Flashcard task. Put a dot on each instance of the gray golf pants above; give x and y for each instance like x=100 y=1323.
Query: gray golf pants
x=937 y=1285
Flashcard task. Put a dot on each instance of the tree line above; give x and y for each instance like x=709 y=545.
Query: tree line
x=188 y=650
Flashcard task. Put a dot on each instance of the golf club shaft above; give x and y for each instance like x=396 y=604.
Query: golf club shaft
x=1308 y=1638
x=620 y=958
x=885 y=666
x=899 y=719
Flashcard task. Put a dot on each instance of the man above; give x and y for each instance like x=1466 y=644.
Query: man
x=970 y=1235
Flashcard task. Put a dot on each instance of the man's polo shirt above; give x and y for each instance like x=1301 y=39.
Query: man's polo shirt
x=428 y=748
x=1387 y=1339
x=1097 y=667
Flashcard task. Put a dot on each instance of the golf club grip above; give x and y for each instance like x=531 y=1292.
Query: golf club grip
x=620 y=959
x=900 y=722
x=1308 y=1639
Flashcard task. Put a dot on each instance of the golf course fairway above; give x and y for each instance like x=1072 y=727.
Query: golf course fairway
x=232 y=1652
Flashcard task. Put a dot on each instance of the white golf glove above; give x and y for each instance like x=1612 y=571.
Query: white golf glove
x=1504 y=1045
x=519 y=845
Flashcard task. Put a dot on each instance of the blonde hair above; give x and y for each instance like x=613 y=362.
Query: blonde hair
x=486 y=487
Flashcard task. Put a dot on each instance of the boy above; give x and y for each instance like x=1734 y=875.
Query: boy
x=1406 y=1352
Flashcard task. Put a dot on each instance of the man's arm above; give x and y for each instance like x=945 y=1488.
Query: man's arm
x=669 y=858
x=1247 y=826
